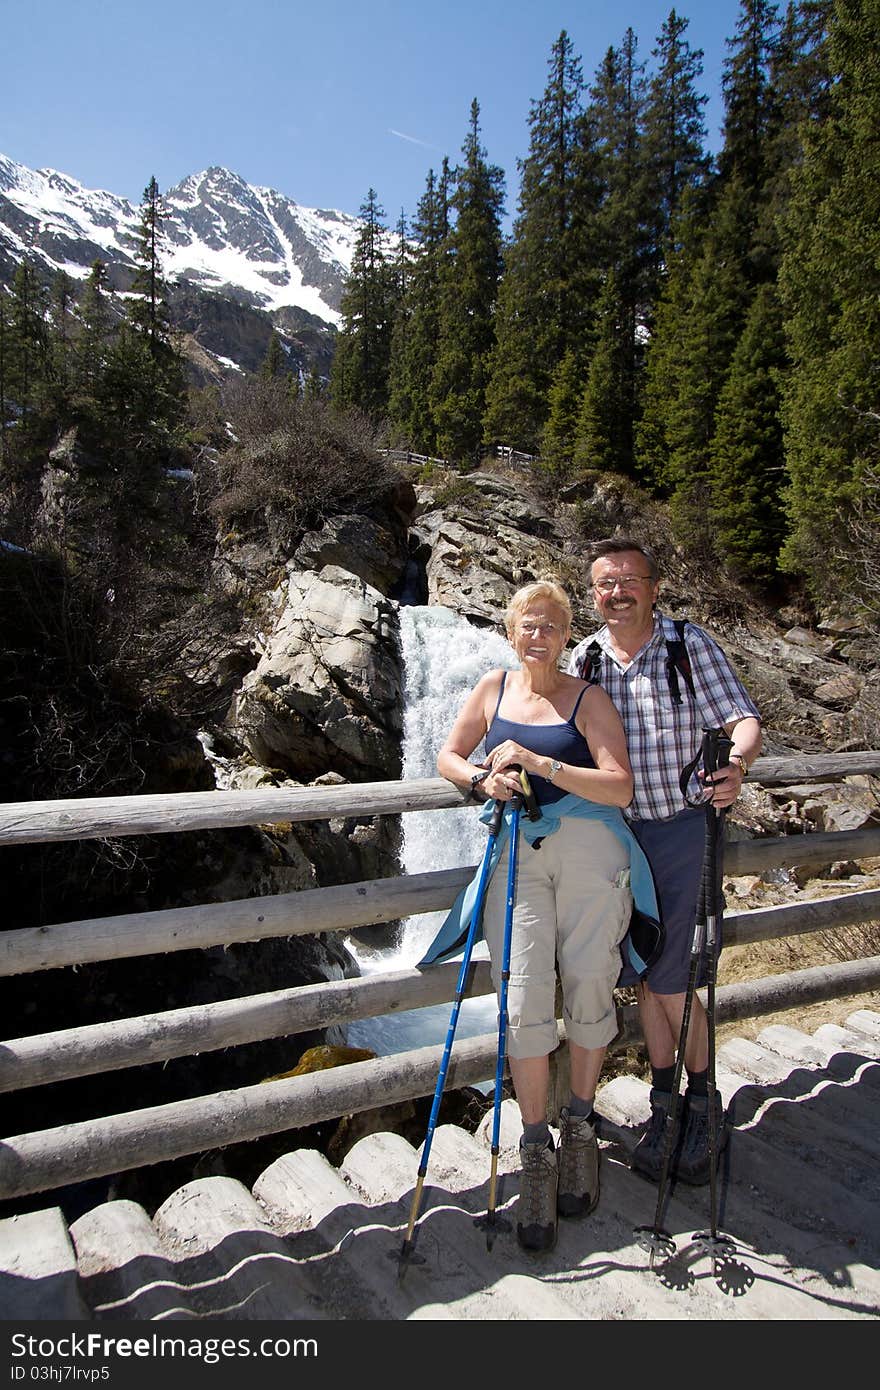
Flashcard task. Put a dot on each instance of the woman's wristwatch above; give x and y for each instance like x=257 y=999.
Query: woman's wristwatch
x=478 y=777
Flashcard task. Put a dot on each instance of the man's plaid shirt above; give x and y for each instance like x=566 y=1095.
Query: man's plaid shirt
x=663 y=737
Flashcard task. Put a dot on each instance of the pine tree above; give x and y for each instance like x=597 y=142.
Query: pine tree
x=604 y=433
x=714 y=274
x=547 y=296
x=745 y=162
x=468 y=293
x=92 y=342
x=148 y=354
x=414 y=346
x=696 y=331
x=798 y=92
x=830 y=288
x=275 y=362
x=674 y=134
x=623 y=226
x=746 y=469
x=27 y=345
x=558 y=435
x=148 y=309
x=359 y=376
x=60 y=354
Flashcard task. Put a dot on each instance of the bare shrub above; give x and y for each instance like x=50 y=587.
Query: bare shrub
x=295 y=462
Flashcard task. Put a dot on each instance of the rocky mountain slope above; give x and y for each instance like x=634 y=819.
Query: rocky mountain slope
x=241 y=258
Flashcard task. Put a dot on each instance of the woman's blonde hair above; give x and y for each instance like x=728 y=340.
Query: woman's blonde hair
x=547 y=589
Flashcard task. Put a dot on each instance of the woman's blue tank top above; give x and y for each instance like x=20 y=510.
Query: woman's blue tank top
x=562 y=741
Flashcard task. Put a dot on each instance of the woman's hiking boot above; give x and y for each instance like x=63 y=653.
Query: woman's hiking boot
x=693 y=1157
x=536 y=1211
x=578 y=1190
x=647 y=1156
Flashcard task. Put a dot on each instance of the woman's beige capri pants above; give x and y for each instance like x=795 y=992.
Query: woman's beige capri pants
x=572 y=907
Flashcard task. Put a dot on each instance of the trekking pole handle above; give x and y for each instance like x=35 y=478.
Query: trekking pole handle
x=715 y=751
x=527 y=797
x=497 y=817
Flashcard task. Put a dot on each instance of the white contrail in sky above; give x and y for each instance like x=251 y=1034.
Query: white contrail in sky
x=412 y=139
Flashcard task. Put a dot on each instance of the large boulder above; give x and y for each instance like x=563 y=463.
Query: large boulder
x=373 y=551
x=326 y=694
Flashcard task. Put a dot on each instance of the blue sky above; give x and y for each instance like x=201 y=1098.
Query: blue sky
x=319 y=100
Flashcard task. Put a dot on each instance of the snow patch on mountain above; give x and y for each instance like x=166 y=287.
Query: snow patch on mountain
x=221 y=233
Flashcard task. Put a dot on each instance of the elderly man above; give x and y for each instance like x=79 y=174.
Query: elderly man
x=668 y=681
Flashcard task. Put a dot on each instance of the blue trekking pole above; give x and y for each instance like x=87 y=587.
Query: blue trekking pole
x=491 y=1221
x=407 y=1249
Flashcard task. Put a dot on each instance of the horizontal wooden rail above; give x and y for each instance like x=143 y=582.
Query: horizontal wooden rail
x=32 y=822
x=91 y=818
x=342 y=907
x=53 y=1158
x=784 y=851
x=796 y=919
x=132 y=1042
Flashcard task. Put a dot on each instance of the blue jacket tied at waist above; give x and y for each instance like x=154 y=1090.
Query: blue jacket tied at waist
x=643 y=941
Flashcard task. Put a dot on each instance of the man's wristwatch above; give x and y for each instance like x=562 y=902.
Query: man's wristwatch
x=555 y=766
x=738 y=758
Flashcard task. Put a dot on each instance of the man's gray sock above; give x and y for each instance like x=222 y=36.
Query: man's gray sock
x=579 y=1108
x=536 y=1134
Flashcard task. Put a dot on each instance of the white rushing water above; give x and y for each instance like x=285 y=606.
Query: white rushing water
x=443 y=657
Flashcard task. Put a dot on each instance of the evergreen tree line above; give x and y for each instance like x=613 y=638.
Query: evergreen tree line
x=73 y=368
x=707 y=327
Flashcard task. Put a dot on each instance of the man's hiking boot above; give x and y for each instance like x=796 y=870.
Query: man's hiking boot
x=536 y=1211
x=647 y=1156
x=578 y=1190
x=693 y=1157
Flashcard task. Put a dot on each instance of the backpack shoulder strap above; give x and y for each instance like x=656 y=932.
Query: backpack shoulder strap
x=678 y=661
x=589 y=662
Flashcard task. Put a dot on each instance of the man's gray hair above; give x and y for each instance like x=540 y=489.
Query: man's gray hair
x=616 y=545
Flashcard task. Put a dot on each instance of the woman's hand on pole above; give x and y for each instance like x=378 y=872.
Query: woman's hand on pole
x=505 y=762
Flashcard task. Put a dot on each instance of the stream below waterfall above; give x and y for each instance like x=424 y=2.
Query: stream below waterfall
x=443 y=658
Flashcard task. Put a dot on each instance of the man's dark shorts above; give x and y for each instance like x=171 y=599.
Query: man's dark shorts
x=675 y=850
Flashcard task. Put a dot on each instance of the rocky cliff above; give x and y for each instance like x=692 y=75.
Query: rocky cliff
x=311 y=685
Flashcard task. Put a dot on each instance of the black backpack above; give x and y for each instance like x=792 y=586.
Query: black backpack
x=677 y=661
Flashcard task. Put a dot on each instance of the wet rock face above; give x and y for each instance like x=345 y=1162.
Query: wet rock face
x=327 y=691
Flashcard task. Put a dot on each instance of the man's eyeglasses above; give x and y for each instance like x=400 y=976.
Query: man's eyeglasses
x=626 y=581
x=530 y=629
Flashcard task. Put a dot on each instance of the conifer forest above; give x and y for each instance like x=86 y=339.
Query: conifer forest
x=705 y=327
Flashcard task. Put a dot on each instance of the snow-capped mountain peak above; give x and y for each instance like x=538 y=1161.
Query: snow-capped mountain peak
x=250 y=244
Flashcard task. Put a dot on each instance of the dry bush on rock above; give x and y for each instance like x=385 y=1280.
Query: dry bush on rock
x=295 y=462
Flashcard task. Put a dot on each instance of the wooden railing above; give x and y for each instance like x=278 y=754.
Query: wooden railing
x=47 y=1159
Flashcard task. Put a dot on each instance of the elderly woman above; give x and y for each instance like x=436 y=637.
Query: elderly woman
x=573 y=901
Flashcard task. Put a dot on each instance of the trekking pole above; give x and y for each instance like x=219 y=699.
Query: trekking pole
x=407 y=1249
x=711 y=1242
x=491 y=1222
x=654 y=1238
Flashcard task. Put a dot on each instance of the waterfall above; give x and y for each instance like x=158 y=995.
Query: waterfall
x=443 y=658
